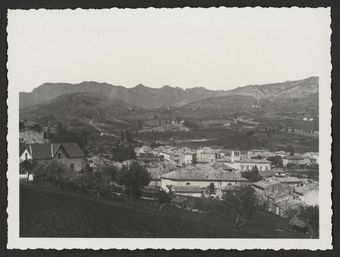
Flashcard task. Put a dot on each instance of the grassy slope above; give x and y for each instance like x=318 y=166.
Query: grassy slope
x=48 y=212
x=226 y=138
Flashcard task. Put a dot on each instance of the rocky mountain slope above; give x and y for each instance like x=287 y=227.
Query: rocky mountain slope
x=288 y=89
x=140 y=95
x=147 y=97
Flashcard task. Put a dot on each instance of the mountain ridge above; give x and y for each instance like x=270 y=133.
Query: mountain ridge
x=147 y=97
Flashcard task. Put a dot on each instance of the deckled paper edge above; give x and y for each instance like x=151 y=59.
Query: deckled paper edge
x=323 y=243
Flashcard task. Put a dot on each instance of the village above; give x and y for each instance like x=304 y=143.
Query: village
x=282 y=181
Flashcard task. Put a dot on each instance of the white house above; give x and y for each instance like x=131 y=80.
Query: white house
x=297 y=160
x=230 y=154
x=30 y=136
x=69 y=154
x=249 y=164
x=206 y=155
x=189 y=157
x=200 y=176
x=166 y=155
x=258 y=152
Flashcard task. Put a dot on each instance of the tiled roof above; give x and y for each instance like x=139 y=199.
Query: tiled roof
x=41 y=151
x=288 y=180
x=265 y=183
x=293 y=157
x=306 y=188
x=275 y=180
x=73 y=150
x=48 y=151
x=252 y=161
x=202 y=173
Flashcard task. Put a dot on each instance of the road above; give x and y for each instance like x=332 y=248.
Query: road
x=101 y=132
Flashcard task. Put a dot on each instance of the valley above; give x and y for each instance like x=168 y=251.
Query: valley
x=259 y=116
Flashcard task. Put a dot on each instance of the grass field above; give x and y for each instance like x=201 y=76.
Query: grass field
x=50 y=212
x=223 y=137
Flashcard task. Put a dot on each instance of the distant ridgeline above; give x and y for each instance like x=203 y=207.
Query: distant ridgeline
x=105 y=101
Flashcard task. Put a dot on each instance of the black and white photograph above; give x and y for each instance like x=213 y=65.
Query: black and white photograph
x=169 y=126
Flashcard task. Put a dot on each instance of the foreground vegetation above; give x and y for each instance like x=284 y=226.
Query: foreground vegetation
x=52 y=212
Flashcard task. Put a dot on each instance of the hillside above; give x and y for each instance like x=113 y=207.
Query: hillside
x=140 y=95
x=59 y=213
x=294 y=107
x=147 y=97
x=113 y=108
x=48 y=91
x=230 y=103
x=80 y=106
x=288 y=89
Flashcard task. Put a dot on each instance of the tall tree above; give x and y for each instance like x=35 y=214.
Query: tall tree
x=123 y=151
x=163 y=198
x=51 y=172
x=276 y=161
x=311 y=215
x=242 y=204
x=252 y=175
x=134 y=177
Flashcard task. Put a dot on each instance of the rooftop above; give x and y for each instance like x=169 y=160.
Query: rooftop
x=293 y=157
x=253 y=161
x=202 y=173
x=48 y=151
x=276 y=180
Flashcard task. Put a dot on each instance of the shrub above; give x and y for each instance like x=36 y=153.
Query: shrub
x=163 y=198
x=134 y=177
x=276 y=161
x=253 y=175
x=242 y=204
x=89 y=182
x=50 y=172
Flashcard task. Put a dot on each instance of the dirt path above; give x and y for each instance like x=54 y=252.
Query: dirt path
x=102 y=132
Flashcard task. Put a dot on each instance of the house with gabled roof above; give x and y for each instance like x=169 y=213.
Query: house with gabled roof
x=249 y=164
x=200 y=175
x=294 y=159
x=69 y=154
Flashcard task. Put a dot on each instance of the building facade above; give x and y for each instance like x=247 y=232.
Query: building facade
x=200 y=176
x=70 y=154
x=297 y=160
x=29 y=136
x=250 y=164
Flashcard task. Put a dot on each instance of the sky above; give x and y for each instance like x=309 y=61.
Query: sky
x=216 y=48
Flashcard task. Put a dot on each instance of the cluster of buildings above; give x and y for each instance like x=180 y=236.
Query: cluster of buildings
x=156 y=125
x=33 y=133
x=70 y=154
x=282 y=195
x=195 y=179
x=191 y=172
x=239 y=160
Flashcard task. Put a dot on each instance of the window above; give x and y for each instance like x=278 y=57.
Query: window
x=59 y=155
x=72 y=166
x=260 y=167
x=26 y=156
